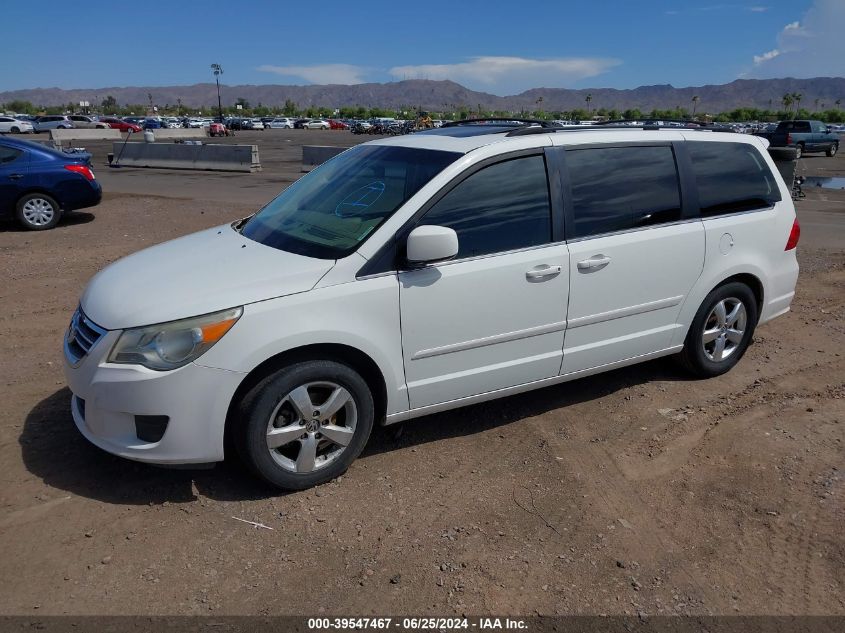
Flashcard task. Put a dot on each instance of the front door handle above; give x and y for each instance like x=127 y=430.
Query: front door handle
x=594 y=263
x=544 y=271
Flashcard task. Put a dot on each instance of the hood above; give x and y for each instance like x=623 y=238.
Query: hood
x=193 y=275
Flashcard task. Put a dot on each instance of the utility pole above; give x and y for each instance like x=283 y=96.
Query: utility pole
x=218 y=70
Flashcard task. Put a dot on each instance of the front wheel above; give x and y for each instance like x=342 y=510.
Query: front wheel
x=721 y=330
x=38 y=212
x=305 y=424
x=17 y=130
x=799 y=151
x=831 y=151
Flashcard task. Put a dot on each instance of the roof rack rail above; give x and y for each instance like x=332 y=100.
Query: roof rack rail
x=651 y=121
x=495 y=119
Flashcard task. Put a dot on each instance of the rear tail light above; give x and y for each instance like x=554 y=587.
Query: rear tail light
x=83 y=170
x=794 y=235
x=788 y=138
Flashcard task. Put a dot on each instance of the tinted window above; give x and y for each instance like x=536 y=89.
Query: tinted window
x=500 y=208
x=330 y=211
x=8 y=154
x=731 y=177
x=620 y=188
x=795 y=126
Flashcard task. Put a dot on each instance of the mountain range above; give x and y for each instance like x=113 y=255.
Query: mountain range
x=450 y=96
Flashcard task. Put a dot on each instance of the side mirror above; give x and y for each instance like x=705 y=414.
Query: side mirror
x=429 y=244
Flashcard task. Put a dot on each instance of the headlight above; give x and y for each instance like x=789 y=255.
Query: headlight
x=170 y=345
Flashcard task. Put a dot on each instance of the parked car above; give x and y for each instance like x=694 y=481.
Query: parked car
x=352 y=300
x=300 y=123
x=38 y=185
x=12 y=125
x=337 y=125
x=316 y=124
x=805 y=136
x=280 y=123
x=118 y=124
x=217 y=129
x=86 y=122
x=52 y=122
x=137 y=120
x=151 y=123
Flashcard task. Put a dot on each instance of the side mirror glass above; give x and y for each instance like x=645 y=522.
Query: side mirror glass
x=429 y=244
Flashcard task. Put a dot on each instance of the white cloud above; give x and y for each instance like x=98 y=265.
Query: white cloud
x=509 y=75
x=758 y=59
x=811 y=47
x=321 y=73
x=758 y=9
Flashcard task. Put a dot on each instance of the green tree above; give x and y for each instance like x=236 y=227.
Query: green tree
x=289 y=108
x=20 y=107
x=695 y=101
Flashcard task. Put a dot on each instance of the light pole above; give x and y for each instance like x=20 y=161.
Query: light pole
x=218 y=70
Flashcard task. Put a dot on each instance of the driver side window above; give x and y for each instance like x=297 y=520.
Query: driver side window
x=500 y=208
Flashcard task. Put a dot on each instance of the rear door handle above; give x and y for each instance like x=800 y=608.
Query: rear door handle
x=544 y=271
x=594 y=263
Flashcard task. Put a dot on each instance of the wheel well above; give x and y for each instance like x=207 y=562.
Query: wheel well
x=43 y=192
x=752 y=282
x=351 y=356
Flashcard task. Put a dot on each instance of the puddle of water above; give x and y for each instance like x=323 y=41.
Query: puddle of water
x=825 y=182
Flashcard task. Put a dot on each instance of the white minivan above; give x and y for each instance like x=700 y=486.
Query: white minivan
x=427 y=272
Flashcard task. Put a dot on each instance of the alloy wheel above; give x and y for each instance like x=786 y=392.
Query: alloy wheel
x=724 y=329
x=311 y=426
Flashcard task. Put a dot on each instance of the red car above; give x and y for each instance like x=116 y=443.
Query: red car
x=217 y=129
x=118 y=124
x=338 y=125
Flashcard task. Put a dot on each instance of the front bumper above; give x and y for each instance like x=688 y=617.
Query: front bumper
x=107 y=397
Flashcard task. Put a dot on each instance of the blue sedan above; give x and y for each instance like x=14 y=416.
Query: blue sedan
x=38 y=184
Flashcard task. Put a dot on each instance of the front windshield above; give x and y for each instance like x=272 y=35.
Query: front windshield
x=329 y=212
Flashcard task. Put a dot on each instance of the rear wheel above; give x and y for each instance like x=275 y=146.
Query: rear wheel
x=305 y=424
x=831 y=151
x=799 y=151
x=38 y=212
x=721 y=331
x=17 y=130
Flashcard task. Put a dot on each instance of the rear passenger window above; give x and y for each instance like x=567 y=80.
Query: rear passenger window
x=8 y=155
x=621 y=188
x=731 y=177
x=500 y=208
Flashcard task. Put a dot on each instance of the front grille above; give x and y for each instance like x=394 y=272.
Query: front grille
x=82 y=335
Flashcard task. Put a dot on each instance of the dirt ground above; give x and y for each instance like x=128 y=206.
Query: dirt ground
x=635 y=491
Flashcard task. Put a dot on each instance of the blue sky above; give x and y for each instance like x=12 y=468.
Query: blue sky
x=495 y=46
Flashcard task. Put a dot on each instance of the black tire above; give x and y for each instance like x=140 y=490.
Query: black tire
x=694 y=357
x=255 y=410
x=831 y=151
x=16 y=130
x=49 y=206
x=799 y=151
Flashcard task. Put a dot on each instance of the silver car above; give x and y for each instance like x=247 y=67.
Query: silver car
x=52 y=122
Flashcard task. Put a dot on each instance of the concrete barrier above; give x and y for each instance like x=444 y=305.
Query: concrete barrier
x=182 y=156
x=314 y=155
x=182 y=132
x=108 y=134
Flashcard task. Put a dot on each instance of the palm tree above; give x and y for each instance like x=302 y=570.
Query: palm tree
x=695 y=101
x=797 y=96
x=786 y=101
x=816 y=102
x=838 y=102
x=589 y=100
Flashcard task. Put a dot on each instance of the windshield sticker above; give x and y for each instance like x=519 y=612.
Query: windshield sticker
x=360 y=199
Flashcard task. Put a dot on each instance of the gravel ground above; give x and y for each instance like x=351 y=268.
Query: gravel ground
x=635 y=491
